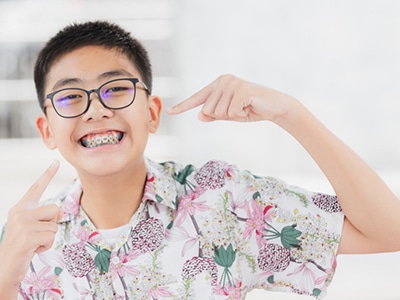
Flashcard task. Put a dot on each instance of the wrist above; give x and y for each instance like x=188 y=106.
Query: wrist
x=290 y=113
x=9 y=283
x=8 y=290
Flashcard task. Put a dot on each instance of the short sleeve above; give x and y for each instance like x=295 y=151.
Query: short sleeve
x=289 y=236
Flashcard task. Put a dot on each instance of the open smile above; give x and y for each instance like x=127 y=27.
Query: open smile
x=101 y=139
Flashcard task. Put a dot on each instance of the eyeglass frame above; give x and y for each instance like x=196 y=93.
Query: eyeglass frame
x=97 y=91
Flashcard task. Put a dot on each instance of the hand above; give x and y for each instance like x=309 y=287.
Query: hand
x=30 y=229
x=231 y=98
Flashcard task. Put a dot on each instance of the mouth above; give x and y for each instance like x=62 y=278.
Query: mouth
x=101 y=139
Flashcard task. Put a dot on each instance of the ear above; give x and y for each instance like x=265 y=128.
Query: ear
x=155 y=107
x=42 y=124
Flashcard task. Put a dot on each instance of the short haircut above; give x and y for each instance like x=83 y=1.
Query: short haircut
x=93 y=33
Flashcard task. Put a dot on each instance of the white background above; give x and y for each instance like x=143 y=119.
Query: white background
x=340 y=58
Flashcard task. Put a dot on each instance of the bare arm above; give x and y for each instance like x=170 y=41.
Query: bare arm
x=372 y=222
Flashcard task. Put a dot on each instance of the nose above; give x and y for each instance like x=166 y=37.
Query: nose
x=96 y=110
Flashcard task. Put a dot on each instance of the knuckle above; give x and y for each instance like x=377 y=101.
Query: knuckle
x=53 y=227
x=221 y=113
x=16 y=216
x=207 y=111
x=232 y=114
x=227 y=77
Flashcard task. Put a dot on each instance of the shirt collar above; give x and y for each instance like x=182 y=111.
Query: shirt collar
x=160 y=187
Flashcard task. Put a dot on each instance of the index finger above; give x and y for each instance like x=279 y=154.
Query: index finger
x=31 y=199
x=193 y=101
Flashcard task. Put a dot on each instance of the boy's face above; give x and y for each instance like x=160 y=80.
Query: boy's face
x=88 y=68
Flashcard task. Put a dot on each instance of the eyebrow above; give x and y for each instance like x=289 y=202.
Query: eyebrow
x=115 y=73
x=106 y=75
x=65 y=82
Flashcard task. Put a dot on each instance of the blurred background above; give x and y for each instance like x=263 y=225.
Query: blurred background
x=340 y=58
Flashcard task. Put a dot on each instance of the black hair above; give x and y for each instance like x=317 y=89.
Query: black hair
x=93 y=33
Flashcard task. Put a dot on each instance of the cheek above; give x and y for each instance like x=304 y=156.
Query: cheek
x=138 y=118
x=61 y=130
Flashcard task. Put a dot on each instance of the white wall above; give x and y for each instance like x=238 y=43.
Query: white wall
x=341 y=58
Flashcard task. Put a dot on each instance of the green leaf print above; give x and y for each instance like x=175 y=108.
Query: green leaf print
x=159 y=198
x=181 y=176
x=58 y=271
x=271 y=279
x=303 y=198
x=224 y=257
x=288 y=235
x=102 y=260
x=316 y=292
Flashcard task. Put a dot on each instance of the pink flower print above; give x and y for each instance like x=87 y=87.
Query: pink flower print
x=327 y=203
x=83 y=292
x=274 y=258
x=306 y=277
x=148 y=235
x=133 y=254
x=119 y=266
x=238 y=200
x=187 y=205
x=256 y=220
x=233 y=292
x=149 y=189
x=328 y=271
x=179 y=233
x=262 y=278
x=77 y=260
x=197 y=265
x=85 y=234
x=40 y=283
x=211 y=176
x=72 y=204
x=157 y=292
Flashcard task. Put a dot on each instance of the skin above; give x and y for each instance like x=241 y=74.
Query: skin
x=123 y=171
x=113 y=192
x=107 y=197
x=365 y=198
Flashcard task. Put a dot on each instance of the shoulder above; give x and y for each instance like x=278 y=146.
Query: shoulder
x=212 y=174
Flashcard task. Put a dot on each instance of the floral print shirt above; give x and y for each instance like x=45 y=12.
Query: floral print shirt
x=210 y=233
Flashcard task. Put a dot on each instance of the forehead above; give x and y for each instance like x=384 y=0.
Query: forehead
x=87 y=64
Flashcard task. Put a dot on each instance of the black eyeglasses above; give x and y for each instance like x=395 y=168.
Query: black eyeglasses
x=114 y=94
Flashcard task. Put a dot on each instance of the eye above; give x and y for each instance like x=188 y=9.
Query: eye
x=67 y=98
x=115 y=91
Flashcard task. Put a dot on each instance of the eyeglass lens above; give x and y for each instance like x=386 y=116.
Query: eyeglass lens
x=114 y=94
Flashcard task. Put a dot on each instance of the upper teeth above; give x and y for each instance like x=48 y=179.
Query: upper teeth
x=94 y=141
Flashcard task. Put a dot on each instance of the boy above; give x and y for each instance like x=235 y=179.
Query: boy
x=129 y=228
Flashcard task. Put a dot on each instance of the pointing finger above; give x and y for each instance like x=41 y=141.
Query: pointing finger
x=189 y=103
x=31 y=199
x=193 y=101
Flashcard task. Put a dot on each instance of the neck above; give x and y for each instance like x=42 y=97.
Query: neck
x=111 y=201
